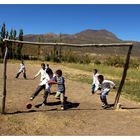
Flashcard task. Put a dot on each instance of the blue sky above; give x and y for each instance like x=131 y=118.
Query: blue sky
x=122 y=20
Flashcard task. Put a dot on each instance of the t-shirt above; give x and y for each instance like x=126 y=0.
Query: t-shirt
x=45 y=82
x=107 y=84
x=22 y=68
x=41 y=72
x=95 y=81
x=49 y=72
x=61 y=83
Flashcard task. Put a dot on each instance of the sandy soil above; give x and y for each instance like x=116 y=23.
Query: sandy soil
x=84 y=117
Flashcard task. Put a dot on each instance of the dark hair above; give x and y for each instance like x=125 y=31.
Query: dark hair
x=49 y=71
x=22 y=61
x=95 y=70
x=59 y=72
x=42 y=64
x=47 y=65
x=101 y=77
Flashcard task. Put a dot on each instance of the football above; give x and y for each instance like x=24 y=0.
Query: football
x=29 y=106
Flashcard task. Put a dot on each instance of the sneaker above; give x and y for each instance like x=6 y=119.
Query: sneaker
x=44 y=104
x=31 y=98
x=62 y=108
x=105 y=106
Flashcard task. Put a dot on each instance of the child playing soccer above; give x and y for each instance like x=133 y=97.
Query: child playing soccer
x=60 y=81
x=22 y=70
x=95 y=82
x=104 y=89
x=43 y=78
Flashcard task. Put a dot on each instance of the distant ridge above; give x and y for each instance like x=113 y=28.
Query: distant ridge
x=86 y=36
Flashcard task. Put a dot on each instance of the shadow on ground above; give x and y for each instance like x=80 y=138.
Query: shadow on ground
x=69 y=105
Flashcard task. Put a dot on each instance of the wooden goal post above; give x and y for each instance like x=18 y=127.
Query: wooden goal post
x=124 y=74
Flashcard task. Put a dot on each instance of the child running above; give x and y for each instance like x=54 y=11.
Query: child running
x=104 y=89
x=60 y=81
x=44 y=77
x=95 y=83
x=22 y=70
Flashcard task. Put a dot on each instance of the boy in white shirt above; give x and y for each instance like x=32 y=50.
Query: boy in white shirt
x=95 y=83
x=44 y=78
x=104 y=89
x=22 y=70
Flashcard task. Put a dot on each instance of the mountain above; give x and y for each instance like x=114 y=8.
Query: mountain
x=86 y=36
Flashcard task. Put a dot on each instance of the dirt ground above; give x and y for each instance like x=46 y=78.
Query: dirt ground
x=83 y=117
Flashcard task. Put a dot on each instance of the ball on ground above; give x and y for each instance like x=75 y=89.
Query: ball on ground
x=29 y=106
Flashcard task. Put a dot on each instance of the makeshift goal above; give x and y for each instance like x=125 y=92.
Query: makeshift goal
x=124 y=74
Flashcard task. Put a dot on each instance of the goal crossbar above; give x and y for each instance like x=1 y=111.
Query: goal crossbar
x=70 y=45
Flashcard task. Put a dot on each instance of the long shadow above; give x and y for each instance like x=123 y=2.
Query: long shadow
x=54 y=109
x=69 y=105
x=130 y=108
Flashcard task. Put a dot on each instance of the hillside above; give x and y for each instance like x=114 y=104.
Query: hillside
x=86 y=36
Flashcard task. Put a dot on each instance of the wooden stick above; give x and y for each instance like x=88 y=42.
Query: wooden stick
x=126 y=66
x=4 y=81
x=71 y=45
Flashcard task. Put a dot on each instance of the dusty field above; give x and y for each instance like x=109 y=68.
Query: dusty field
x=87 y=118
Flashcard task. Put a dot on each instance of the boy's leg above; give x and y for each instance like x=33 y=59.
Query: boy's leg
x=45 y=97
x=93 y=88
x=39 y=88
x=62 y=101
x=18 y=74
x=103 y=100
x=57 y=95
x=103 y=97
x=24 y=75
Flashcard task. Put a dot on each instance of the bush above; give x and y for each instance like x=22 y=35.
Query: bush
x=97 y=62
x=116 y=61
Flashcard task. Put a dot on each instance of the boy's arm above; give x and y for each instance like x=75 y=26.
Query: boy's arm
x=37 y=75
x=112 y=84
x=52 y=82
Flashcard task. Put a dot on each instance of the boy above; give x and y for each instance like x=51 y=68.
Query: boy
x=95 y=83
x=44 y=77
x=60 y=81
x=104 y=89
x=49 y=71
x=22 y=70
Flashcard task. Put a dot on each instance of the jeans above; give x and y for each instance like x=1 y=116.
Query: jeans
x=93 y=88
x=24 y=75
x=103 y=96
x=39 y=88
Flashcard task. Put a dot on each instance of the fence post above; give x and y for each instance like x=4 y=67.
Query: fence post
x=4 y=80
x=126 y=66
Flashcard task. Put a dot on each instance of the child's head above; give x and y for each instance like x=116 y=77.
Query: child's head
x=47 y=65
x=59 y=73
x=95 y=71
x=100 y=78
x=42 y=65
x=22 y=61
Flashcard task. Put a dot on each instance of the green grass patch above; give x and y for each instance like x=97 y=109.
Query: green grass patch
x=131 y=87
